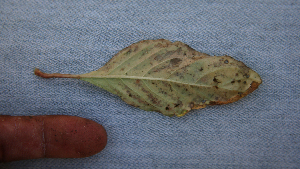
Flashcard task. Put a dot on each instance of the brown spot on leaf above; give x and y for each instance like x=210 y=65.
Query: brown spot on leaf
x=253 y=86
x=246 y=75
x=144 y=90
x=154 y=99
x=191 y=105
x=175 y=62
x=176 y=105
x=216 y=80
x=136 y=48
x=128 y=52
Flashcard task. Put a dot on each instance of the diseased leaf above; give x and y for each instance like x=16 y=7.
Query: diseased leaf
x=171 y=78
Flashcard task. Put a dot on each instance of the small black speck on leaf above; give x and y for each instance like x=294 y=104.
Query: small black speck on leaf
x=176 y=105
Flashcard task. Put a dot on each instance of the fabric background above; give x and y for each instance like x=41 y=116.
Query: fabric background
x=261 y=130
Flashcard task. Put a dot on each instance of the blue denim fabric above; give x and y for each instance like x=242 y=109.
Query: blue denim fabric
x=261 y=130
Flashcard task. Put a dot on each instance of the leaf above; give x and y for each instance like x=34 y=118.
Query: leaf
x=171 y=78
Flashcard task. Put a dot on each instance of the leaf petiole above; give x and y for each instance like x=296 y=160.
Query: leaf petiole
x=54 y=75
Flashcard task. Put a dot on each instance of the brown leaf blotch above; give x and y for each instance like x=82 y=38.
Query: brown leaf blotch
x=253 y=86
x=175 y=62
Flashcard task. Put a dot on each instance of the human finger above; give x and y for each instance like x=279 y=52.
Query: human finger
x=52 y=136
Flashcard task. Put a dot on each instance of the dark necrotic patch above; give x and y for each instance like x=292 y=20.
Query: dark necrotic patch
x=246 y=75
x=191 y=105
x=216 y=80
x=175 y=62
x=128 y=52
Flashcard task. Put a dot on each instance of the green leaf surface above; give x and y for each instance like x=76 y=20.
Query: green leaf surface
x=171 y=78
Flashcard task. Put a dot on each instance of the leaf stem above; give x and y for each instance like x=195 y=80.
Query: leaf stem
x=54 y=75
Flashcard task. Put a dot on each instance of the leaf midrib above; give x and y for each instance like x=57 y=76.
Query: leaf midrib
x=147 y=78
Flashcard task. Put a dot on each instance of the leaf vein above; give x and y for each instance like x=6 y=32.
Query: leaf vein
x=213 y=72
x=142 y=61
x=156 y=93
x=150 y=78
x=145 y=100
x=157 y=65
x=127 y=60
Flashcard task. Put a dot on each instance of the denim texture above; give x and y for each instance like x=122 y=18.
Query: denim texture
x=261 y=130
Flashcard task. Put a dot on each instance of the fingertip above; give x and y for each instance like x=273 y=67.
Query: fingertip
x=31 y=137
x=73 y=137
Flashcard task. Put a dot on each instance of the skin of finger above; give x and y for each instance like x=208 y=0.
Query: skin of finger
x=30 y=137
x=20 y=138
